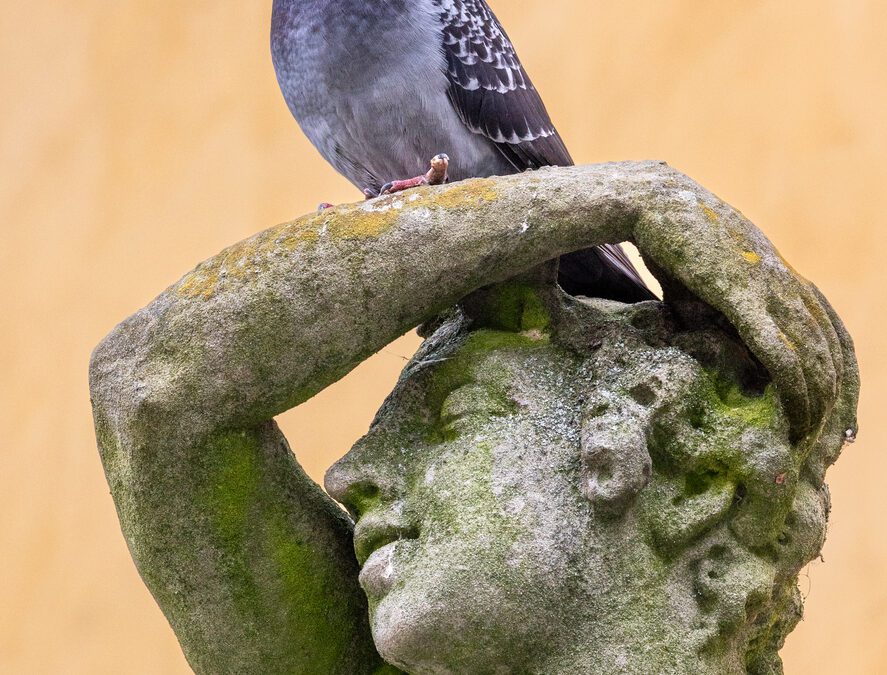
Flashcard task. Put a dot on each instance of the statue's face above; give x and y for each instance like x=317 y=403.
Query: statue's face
x=521 y=508
x=469 y=516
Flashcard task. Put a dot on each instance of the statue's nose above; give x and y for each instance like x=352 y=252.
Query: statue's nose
x=358 y=489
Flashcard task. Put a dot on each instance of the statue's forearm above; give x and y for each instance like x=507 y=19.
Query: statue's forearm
x=271 y=321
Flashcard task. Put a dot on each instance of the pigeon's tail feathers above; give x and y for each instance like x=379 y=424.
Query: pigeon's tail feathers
x=613 y=256
x=604 y=272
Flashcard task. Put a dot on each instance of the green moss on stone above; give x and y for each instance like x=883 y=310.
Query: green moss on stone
x=514 y=306
x=387 y=669
x=758 y=411
x=466 y=366
x=300 y=570
x=231 y=485
x=270 y=570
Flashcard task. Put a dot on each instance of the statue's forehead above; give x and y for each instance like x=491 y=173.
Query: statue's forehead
x=498 y=361
x=483 y=403
x=483 y=374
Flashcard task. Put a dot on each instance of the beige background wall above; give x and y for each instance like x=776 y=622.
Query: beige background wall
x=137 y=138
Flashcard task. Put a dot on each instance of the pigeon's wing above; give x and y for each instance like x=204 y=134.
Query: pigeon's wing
x=494 y=96
x=490 y=89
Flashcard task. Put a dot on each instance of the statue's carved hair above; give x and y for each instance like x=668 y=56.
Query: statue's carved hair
x=692 y=433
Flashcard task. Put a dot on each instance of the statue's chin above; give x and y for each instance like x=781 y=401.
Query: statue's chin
x=412 y=627
x=401 y=637
x=424 y=624
x=400 y=615
x=441 y=603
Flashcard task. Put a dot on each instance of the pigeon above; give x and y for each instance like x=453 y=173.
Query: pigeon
x=380 y=86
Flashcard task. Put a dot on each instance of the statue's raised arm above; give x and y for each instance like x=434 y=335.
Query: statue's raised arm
x=250 y=561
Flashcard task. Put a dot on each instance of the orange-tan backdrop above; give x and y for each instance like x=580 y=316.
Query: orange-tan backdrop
x=137 y=138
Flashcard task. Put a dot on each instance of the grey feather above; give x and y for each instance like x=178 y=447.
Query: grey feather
x=381 y=87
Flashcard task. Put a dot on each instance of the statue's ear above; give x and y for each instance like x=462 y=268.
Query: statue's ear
x=616 y=465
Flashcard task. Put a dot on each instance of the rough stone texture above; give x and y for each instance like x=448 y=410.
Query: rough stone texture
x=555 y=485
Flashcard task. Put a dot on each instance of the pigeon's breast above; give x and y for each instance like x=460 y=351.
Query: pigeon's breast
x=370 y=92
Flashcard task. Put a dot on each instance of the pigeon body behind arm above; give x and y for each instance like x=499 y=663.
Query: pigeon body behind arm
x=380 y=87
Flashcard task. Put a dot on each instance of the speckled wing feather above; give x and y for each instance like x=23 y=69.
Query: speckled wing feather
x=494 y=96
x=491 y=90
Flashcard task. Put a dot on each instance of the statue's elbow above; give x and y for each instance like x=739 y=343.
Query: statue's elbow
x=131 y=399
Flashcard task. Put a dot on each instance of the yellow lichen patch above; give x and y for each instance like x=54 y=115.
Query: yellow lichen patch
x=463 y=193
x=366 y=220
x=710 y=213
x=304 y=230
x=246 y=258
x=751 y=257
x=233 y=263
x=788 y=343
x=199 y=283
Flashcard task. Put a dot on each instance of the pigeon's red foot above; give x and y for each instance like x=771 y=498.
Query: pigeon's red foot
x=436 y=175
x=401 y=185
x=323 y=206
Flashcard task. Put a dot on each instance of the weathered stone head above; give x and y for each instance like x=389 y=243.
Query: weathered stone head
x=559 y=485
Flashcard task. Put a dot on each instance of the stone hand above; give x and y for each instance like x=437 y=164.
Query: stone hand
x=722 y=258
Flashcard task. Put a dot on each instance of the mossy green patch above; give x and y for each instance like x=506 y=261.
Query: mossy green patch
x=229 y=493
x=771 y=628
x=232 y=484
x=675 y=513
x=512 y=306
x=300 y=569
x=759 y=411
x=276 y=571
x=460 y=369
x=387 y=669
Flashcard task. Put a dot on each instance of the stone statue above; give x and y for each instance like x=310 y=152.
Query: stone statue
x=556 y=484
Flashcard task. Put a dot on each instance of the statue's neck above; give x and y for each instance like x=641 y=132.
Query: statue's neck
x=638 y=627
x=634 y=654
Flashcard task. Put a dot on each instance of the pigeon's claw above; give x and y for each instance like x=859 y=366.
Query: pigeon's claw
x=436 y=175
x=401 y=185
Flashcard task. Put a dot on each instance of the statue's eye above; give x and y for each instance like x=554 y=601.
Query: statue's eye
x=471 y=405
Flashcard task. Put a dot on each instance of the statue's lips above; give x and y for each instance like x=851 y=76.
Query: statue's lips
x=378 y=573
x=374 y=532
x=377 y=535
